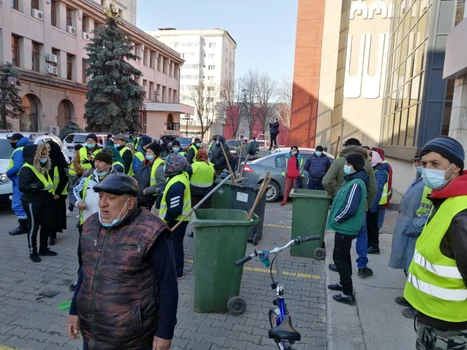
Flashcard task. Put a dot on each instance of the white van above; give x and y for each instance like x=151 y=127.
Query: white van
x=80 y=139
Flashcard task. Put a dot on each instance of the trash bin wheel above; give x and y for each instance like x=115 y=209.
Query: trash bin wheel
x=319 y=254
x=236 y=306
x=255 y=239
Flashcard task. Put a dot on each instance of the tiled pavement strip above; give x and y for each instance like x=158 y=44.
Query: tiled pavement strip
x=30 y=293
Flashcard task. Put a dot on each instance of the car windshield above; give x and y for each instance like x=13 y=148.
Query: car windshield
x=232 y=143
x=74 y=138
x=5 y=149
x=184 y=140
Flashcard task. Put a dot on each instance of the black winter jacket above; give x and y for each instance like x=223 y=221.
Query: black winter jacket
x=29 y=184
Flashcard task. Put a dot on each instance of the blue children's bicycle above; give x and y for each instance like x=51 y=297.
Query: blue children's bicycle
x=281 y=324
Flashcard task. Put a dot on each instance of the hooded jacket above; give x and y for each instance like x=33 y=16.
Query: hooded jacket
x=29 y=184
x=334 y=178
x=454 y=243
x=18 y=159
x=217 y=156
x=317 y=167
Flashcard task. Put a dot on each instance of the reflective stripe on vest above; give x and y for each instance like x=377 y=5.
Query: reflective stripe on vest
x=385 y=193
x=183 y=178
x=85 y=189
x=435 y=286
x=57 y=181
x=425 y=204
x=46 y=181
x=152 y=180
x=119 y=163
x=12 y=163
x=203 y=174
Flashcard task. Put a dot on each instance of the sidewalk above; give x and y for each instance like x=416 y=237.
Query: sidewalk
x=376 y=322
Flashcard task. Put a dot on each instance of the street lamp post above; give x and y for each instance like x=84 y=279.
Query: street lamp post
x=6 y=84
x=187 y=118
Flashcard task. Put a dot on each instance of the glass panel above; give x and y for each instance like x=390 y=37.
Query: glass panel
x=411 y=125
x=403 y=127
x=397 y=123
x=450 y=90
x=446 y=118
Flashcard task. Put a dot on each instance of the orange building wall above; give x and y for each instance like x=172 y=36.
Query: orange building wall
x=307 y=64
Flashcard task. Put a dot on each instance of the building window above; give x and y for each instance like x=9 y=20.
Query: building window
x=53 y=13
x=69 y=17
x=211 y=56
x=36 y=57
x=210 y=88
x=69 y=66
x=176 y=71
x=211 y=67
x=14 y=4
x=165 y=63
x=152 y=59
x=145 y=56
x=151 y=90
x=145 y=83
x=164 y=94
x=212 y=45
x=35 y=4
x=16 y=50
x=85 y=24
x=210 y=77
x=175 y=97
x=84 y=75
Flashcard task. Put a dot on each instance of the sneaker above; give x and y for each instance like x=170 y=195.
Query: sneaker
x=365 y=272
x=35 y=258
x=69 y=213
x=402 y=302
x=344 y=299
x=336 y=287
x=52 y=241
x=409 y=313
x=373 y=250
x=333 y=268
x=47 y=252
x=73 y=286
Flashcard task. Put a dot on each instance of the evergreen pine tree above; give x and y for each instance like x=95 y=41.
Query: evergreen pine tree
x=71 y=128
x=114 y=96
x=10 y=101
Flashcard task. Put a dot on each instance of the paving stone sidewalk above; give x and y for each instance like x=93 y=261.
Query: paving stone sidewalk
x=30 y=294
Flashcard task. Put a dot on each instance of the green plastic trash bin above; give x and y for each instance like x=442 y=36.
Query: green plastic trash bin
x=220 y=240
x=222 y=198
x=309 y=217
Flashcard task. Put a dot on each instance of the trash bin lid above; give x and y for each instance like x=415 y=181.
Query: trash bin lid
x=305 y=193
x=222 y=217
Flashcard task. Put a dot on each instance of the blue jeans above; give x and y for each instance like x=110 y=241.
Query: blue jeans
x=381 y=214
x=362 y=246
x=315 y=185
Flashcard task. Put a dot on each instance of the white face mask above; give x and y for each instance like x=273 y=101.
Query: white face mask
x=115 y=221
x=435 y=178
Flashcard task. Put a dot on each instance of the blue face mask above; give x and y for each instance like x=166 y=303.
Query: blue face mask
x=43 y=160
x=102 y=173
x=347 y=169
x=175 y=149
x=318 y=153
x=198 y=145
x=419 y=170
x=149 y=157
x=90 y=145
x=115 y=221
x=435 y=179
x=293 y=153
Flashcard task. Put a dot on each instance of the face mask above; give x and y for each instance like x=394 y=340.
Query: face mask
x=117 y=146
x=419 y=170
x=13 y=145
x=102 y=173
x=175 y=149
x=43 y=160
x=293 y=153
x=198 y=145
x=217 y=142
x=434 y=178
x=318 y=153
x=347 y=169
x=115 y=221
x=149 y=157
x=90 y=145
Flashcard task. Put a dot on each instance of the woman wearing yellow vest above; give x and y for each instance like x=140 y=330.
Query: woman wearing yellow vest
x=59 y=176
x=437 y=278
x=150 y=176
x=37 y=188
x=125 y=152
x=202 y=176
x=413 y=213
x=88 y=152
x=176 y=203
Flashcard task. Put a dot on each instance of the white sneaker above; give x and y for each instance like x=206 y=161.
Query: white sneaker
x=69 y=213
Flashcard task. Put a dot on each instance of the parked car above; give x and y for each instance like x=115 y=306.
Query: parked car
x=255 y=172
x=233 y=146
x=80 y=139
x=185 y=142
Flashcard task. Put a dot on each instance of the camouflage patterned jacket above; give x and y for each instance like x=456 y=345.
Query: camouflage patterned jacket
x=117 y=300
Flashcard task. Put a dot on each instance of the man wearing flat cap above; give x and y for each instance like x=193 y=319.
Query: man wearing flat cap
x=125 y=152
x=127 y=293
x=437 y=278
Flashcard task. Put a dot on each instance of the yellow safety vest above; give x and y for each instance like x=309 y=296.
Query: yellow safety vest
x=85 y=189
x=138 y=155
x=195 y=150
x=425 y=204
x=183 y=178
x=123 y=150
x=300 y=163
x=46 y=181
x=203 y=174
x=71 y=170
x=384 y=195
x=83 y=155
x=12 y=163
x=434 y=284
x=155 y=165
x=57 y=181
x=119 y=163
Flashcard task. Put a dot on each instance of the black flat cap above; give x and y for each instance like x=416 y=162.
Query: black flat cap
x=118 y=184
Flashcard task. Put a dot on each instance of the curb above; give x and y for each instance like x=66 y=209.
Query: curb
x=344 y=329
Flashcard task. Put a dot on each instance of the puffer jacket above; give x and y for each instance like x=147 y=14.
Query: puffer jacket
x=334 y=178
x=317 y=167
x=117 y=303
x=381 y=176
x=217 y=156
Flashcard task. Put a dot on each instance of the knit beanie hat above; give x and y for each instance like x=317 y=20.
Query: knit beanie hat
x=356 y=160
x=16 y=137
x=155 y=147
x=105 y=155
x=176 y=164
x=145 y=140
x=92 y=136
x=352 y=142
x=448 y=147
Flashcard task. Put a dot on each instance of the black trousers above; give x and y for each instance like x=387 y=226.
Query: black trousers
x=373 y=230
x=36 y=213
x=177 y=241
x=273 y=141
x=80 y=257
x=315 y=185
x=342 y=259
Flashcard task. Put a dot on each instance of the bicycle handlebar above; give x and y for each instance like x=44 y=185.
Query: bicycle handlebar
x=296 y=241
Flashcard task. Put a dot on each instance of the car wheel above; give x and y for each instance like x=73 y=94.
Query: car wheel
x=272 y=192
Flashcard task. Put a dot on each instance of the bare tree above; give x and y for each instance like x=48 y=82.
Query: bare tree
x=267 y=90
x=250 y=87
x=284 y=97
x=231 y=105
x=204 y=98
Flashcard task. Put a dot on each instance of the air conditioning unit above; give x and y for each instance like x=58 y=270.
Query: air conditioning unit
x=51 y=58
x=86 y=36
x=52 y=69
x=71 y=30
x=37 y=14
